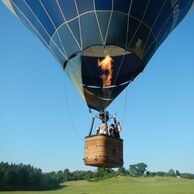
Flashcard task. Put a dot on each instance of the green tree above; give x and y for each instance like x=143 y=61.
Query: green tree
x=67 y=175
x=161 y=173
x=89 y=175
x=100 y=172
x=122 y=171
x=60 y=176
x=187 y=175
x=137 y=169
x=171 y=172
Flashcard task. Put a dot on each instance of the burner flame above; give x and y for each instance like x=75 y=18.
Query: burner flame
x=106 y=67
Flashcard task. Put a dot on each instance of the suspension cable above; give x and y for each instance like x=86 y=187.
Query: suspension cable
x=125 y=105
x=70 y=116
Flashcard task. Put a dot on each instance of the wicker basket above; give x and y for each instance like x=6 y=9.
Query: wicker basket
x=103 y=151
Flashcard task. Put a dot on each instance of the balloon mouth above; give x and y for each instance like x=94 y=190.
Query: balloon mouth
x=101 y=51
x=100 y=73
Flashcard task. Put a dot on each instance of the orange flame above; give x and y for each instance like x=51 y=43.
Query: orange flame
x=106 y=67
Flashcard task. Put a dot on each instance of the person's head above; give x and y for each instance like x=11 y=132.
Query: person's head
x=101 y=116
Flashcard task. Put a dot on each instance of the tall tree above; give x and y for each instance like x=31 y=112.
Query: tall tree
x=171 y=172
x=137 y=169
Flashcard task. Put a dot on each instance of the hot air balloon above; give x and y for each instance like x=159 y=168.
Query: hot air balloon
x=102 y=46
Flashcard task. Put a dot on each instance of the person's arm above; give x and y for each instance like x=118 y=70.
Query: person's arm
x=115 y=120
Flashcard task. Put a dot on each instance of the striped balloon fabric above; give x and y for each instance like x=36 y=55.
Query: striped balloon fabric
x=102 y=45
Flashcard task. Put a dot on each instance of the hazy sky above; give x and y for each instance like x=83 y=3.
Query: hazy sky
x=43 y=120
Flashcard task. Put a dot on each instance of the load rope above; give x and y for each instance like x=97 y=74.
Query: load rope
x=70 y=116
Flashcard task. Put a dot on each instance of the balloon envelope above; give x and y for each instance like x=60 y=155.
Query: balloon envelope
x=80 y=33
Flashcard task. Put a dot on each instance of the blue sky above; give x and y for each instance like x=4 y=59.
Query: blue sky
x=43 y=120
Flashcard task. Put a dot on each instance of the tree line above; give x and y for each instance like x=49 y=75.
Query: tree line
x=26 y=177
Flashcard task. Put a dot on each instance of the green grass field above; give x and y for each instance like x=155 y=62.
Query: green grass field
x=123 y=185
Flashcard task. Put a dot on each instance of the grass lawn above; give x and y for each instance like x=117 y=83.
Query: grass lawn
x=123 y=185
